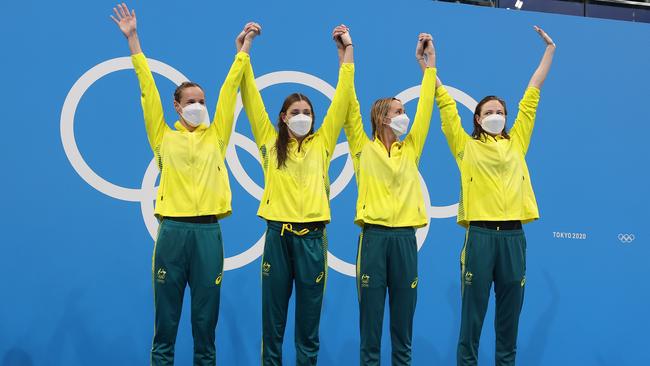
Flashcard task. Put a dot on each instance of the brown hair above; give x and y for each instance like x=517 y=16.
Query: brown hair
x=378 y=112
x=184 y=85
x=282 y=142
x=478 y=130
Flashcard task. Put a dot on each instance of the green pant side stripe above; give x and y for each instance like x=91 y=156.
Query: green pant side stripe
x=325 y=248
x=359 y=266
x=463 y=262
x=153 y=286
x=261 y=280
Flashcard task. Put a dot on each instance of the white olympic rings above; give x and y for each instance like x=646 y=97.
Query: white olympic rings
x=147 y=192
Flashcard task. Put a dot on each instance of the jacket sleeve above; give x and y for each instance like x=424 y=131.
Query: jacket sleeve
x=420 y=129
x=354 y=132
x=224 y=116
x=451 y=126
x=152 y=109
x=522 y=129
x=337 y=112
x=261 y=125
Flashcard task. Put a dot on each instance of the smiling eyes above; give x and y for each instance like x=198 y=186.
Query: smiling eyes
x=487 y=113
x=192 y=101
x=295 y=112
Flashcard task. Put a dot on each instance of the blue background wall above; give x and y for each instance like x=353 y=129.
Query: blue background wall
x=75 y=285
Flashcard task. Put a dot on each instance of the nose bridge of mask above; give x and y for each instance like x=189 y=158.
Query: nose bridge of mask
x=300 y=124
x=493 y=123
x=195 y=114
x=399 y=124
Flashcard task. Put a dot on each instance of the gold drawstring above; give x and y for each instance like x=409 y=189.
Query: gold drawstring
x=289 y=228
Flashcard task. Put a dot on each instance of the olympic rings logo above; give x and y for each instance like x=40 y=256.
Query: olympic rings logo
x=626 y=238
x=146 y=194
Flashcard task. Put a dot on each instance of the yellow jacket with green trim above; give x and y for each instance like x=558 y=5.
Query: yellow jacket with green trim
x=495 y=182
x=193 y=175
x=390 y=193
x=299 y=191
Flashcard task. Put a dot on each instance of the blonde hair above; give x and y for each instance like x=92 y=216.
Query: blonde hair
x=378 y=112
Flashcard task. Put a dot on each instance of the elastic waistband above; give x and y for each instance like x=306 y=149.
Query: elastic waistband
x=478 y=229
x=168 y=222
x=386 y=230
x=497 y=225
x=308 y=229
x=207 y=219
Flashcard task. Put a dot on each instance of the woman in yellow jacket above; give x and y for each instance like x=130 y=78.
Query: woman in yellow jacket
x=295 y=204
x=389 y=208
x=193 y=196
x=496 y=199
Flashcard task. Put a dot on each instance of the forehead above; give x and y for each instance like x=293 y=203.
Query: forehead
x=300 y=105
x=192 y=92
x=395 y=104
x=492 y=105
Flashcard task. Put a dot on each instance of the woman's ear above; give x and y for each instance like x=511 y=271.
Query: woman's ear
x=283 y=117
x=178 y=108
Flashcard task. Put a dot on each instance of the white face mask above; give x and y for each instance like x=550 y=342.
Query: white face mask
x=195 y=114
x=493 y=124
x=299 y=124
x=399 y=124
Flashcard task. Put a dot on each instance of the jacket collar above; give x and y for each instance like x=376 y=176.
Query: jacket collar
x=179 y=127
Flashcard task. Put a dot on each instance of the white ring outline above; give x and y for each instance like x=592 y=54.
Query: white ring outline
x=144 y=194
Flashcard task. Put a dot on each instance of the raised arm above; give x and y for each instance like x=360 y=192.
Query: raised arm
x=451 y=125
x=149 y=96
x=127 y=23
x=336 y=113
x=224 y=115
x=353 y=128
x=425 y=53
x=344 y=46
x=261 y=125
x=545 y=64
x=522 y=129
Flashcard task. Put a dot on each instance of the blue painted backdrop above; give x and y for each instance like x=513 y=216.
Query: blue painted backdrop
x=75 y=282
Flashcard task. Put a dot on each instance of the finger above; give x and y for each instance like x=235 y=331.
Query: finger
x=127 y=14
x=121 y=8
x=115 y=20
x=133 y=13
x=117 y=14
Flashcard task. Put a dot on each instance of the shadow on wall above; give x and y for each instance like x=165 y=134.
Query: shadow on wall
x=17 y=357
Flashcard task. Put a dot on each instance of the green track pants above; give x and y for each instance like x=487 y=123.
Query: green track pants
x=186 y=253
x=488 y=256
x=293 y=252
x=387 y=259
